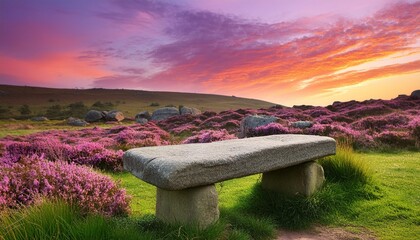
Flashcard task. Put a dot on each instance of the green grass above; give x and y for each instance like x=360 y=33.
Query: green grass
x=25 y=127
x=346 y=167
x=376 y=191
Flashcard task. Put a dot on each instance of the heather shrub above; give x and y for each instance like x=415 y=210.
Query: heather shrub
x=368 y=110
x=395 y=139
x=269 y=129
x=414 y=126
x=184 y=129
x=206 y=136
x=31 y=178
x=86 y=153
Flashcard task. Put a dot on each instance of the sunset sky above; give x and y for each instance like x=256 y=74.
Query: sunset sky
x=288 y=52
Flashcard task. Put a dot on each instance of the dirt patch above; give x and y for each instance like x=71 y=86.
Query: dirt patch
x=325 y=233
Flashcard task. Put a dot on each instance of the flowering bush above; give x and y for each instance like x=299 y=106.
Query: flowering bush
x=85 y=153
x=206 y=136
x=23 y=182
x=269 y=129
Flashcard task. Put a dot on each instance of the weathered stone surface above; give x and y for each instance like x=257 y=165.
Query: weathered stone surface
x=39 y=119
x=189 y=111
x=142 y=120
x=76 y=122
x=164 y=113
x=197 y=205
x=114 y=116
x=415 y=94
x=94 y=116
x=143 y=114
x=302 y=124
x=303 y=179
x=178 y=167
x=254 y=121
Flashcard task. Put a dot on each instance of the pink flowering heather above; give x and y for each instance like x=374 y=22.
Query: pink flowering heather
x=395 y=139
x=86 y=153
x=23 y=182
x=206 y=136
x=269 y=129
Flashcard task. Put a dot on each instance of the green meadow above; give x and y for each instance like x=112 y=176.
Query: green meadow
x=365 y=193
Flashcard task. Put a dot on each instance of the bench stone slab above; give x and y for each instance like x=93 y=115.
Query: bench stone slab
x=177 y=167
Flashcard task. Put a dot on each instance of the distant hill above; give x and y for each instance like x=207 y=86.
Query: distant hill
x=40 y=100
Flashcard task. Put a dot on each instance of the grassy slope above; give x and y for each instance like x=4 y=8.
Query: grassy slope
x=130 y=101
x=395 y=215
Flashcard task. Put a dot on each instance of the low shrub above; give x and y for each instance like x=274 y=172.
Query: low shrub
x=25 y=181
x=269 y=129
x=206 y=136
x=85 y=153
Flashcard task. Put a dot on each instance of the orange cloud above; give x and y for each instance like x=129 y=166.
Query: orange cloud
x=48 y=70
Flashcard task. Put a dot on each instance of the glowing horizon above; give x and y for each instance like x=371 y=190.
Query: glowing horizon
x=278 y=51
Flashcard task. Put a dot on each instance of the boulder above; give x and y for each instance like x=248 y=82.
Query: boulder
x=114 y=116
x=254 y=121
x=76 y=122
x=415 y=94
x=143 y=114
x=189 y=111
x=94 y=116
x=302 y=124
x=142 y=120
x=164 y=113
x=39 y=119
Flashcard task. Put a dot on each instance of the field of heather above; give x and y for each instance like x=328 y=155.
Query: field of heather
x=80 y=166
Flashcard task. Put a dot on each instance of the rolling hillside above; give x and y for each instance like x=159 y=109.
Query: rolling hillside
x=128 y=101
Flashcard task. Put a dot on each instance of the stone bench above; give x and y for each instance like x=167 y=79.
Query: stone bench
x=185 y=175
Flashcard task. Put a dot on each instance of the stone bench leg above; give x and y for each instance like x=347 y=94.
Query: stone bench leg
x=302 y=179
x=198 y=205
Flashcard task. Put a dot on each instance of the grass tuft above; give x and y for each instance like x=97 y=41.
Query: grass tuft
x=346 y=166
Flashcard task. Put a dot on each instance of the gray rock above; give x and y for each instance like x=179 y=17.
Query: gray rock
x=303 y=179
x=302 y=124
x=415 y=94
x=178 y=167
x=164 y=113
x=197 y=205
x=114 y=116
x=143 y=114
x=142 y=120
x=94 y=116
x=76 y=122
x=189 y=111
x=254 y=121
x=39 y=119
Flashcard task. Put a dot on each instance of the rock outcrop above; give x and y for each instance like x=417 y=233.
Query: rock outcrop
x=302 y=124
x=94 y=116
x=189 y=111
x=164 y=113
x=251 y=122
x=76 y=122
x=415 y=94
x=114 y=116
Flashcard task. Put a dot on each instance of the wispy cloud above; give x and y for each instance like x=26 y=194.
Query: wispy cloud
x=226 y=54
x=159 y=45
